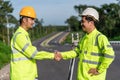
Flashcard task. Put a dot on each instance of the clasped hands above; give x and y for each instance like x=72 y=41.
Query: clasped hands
x=57 y=55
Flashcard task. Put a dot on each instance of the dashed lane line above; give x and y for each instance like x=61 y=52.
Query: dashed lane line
x=45 y=42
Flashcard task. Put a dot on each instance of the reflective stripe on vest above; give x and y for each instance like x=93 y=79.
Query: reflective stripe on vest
x=19 y=59
x=14 y=39
x=109 y=46
x=97 y=54
x=15 y=50
x=100 y=54
x=91 y=62
x=34 y=53
x=23 y=49
x=96 y=41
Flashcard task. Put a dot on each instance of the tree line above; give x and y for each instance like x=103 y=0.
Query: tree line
x=9 y=24
x=109 y=23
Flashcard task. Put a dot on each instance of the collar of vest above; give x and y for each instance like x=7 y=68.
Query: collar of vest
x=20 y=29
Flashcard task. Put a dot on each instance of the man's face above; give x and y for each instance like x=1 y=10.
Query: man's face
x=85 y=24
x=30 y=22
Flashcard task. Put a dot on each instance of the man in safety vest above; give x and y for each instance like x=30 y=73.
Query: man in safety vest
x=94 y=50
x=23 y=63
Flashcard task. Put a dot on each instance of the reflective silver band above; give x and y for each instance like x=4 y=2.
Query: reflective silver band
x=91 y=62
x=14 y=51
x=97 y=54
x=19 y=59
x=109 y=46
x=100 y=54
x=14 y=39
x=96 y=41
x=25 y=47
x=108 y=56
x=34 y=53
x=24 y=58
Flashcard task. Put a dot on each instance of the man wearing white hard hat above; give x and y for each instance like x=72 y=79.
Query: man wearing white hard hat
x=94 y=51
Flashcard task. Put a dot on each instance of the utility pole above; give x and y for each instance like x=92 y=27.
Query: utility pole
x=7 y=24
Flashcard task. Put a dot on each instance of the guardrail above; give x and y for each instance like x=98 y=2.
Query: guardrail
x=115 y=42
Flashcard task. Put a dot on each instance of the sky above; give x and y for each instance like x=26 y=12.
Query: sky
x=54 y=12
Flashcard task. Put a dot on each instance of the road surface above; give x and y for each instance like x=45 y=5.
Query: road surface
x=53 y=70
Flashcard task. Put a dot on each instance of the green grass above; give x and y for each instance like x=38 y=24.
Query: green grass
x=81 y=34
x=69 y=37
x=116 y=38
x=4 y=54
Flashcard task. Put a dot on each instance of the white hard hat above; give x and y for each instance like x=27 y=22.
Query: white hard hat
x=91 y=12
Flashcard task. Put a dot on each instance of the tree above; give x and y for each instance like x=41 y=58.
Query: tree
x=109 y=18
x=73 y=23
x=5 y=10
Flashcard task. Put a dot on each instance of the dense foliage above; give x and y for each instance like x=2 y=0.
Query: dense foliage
x=109 y=19
x=4 y=54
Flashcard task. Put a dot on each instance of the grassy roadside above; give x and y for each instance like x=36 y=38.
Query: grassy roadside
x=69 y=37
x=4 y=54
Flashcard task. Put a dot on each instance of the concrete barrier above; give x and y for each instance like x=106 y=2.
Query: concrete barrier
x=115 y=42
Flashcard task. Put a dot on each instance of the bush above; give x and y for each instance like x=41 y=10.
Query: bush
x=4 y=54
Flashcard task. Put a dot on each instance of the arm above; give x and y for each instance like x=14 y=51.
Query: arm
x=68 y=54
x=108 y=53
x=29 y=50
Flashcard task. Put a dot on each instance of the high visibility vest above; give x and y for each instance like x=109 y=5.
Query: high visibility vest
x=23 y=63
x=93 y=51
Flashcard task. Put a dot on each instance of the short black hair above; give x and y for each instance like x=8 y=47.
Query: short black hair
x=21 y=17
x=89 y=18
x=20 y=20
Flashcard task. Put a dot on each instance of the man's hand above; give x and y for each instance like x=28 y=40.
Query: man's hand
x=57 y=56
x=93 y=71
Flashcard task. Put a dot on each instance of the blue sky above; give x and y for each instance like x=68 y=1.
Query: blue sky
x=54 y=12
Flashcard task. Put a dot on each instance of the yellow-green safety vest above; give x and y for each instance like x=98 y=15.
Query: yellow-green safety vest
x=93 y=51
x=23 y=63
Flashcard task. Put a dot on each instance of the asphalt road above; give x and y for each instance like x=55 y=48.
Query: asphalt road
x=53 y=70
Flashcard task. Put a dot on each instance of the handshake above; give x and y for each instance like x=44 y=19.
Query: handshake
x=57 y=55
